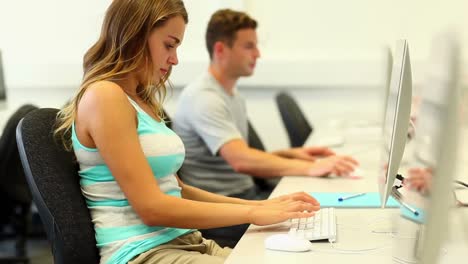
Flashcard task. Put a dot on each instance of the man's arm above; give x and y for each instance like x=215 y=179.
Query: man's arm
x=258 y=163
x=304 y=153
x=214 y=123
x=196 y=194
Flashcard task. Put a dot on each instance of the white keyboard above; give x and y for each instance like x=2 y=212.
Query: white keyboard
x=318 y=227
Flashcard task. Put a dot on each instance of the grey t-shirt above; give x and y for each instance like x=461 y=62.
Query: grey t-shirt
x=206 y=118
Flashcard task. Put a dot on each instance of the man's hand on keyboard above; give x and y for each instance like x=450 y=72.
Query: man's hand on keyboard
x=337 y=165
x=281 y=211
x=306 y=153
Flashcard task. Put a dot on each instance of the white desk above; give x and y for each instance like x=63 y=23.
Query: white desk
x=354 y=228
x=367 y=230
x=338 y=133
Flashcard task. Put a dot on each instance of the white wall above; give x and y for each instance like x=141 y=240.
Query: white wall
x=337 y=29
x=330 y=54
x=43 y=42
x=316 y=41
x=303 y=42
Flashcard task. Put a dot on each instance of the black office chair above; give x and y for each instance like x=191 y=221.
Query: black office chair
x=167 y=119
x=14 y=192
x=294 y=120
x=254 y=140
x=52 y=175
x=266 y=185
x=2 y=80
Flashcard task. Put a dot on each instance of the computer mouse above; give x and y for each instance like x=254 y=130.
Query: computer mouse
x=285 y=242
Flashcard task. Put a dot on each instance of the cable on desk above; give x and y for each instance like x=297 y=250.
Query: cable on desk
x=351 y=251
x=403 y=237
x=383 y=232
x=366 y=224
x=373 y=231
x=461 y=183
x=403 y=261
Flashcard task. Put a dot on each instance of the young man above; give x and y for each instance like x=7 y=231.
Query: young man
x=212 y=122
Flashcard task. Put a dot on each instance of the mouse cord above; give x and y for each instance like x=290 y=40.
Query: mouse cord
x=403 y=261
x=352 y=251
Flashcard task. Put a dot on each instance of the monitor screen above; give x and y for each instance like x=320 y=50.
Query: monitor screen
x=387 y=79
x=440 y=78
x=436 y=140
x=397 y=114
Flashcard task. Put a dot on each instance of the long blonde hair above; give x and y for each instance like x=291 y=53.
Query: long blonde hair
x=122 y=48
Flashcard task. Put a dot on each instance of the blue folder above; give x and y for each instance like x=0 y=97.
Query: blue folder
x=368 y=200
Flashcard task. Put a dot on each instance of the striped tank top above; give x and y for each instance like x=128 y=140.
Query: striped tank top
x=120 y=233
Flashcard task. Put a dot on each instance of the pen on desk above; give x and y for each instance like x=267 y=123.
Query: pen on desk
x=349 y=197
x=410 y=208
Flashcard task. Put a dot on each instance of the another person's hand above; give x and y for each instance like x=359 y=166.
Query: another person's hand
x=337 y=165
x=412 y=128
x=307 y=153
x=419 y=179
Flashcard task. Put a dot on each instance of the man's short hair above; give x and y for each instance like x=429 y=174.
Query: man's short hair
x=223 y=26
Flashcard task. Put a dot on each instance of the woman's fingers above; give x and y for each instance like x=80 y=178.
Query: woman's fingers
x=299 y=206
x=351 y=160
x=292 y=215
x=305 y=197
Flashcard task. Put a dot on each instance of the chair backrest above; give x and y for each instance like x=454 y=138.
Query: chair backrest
x=167 y=119
x=52 y=175
x=254 y=140
x=256 y=143
x=294 y=120
x=12 y=179
x=2 y=80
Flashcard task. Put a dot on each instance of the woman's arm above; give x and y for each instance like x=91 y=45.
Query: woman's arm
x=107 y=117
x=258 y=163
x=196 y=194
x=193 y=193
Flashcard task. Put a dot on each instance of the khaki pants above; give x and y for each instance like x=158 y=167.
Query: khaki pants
x=188 y=249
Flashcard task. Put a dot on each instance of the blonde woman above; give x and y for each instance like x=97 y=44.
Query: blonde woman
x=142 y=213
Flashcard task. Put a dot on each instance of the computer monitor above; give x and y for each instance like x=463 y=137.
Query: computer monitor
x=2 y=81
x=436 y=139
x=440 y=80
x=397 y=115
x=387 y=78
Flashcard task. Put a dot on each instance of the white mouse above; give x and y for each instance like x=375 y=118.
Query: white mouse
x=285 y=242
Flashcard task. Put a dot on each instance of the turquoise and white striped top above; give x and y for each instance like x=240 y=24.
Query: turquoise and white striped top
x=120 y=233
